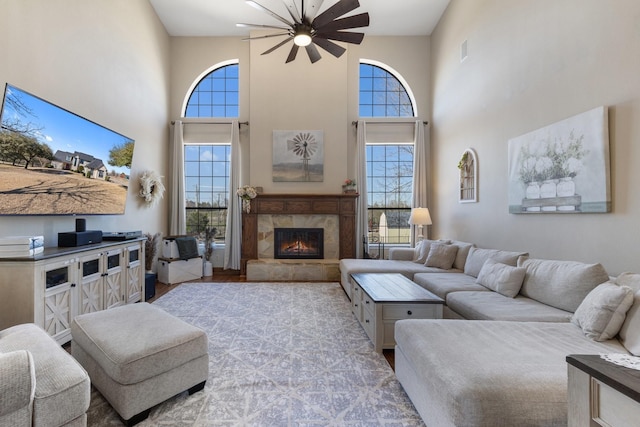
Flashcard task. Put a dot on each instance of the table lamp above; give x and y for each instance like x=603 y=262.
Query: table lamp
x=420 y=217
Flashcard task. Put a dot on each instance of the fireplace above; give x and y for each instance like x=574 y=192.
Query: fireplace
x=298 y=243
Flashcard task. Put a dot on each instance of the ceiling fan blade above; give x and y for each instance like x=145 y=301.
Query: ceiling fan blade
x=355 y=21
x=268 y=36
x=293 y=10
x=260 y=26
x=342 y=36
x=282 y=43
x=313 y=53
x=329 y=46
x=292 y=53
x=335 y=11
x=310 y=8
x=264 y=9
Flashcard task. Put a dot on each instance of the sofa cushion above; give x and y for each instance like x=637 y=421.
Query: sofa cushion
x=62 y=385
x=602 y=312
x=463 y=252
x=561 y=284
x=473 y=373
x=478 y=256
x=502 y=278
x=441 y=256
x=630 y=330
x=493 y=306
x=443 y=283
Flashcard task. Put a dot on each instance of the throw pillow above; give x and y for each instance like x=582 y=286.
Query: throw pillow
x=501 y=278
x=441 y=255
x=602 y=312
x=421 y=251
x=630 y=330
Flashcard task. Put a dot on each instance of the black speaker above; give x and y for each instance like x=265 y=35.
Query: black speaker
x=79 y=238
x=81 y=224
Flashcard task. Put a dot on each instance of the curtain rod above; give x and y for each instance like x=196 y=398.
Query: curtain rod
x=355 y=122
x=173 y=122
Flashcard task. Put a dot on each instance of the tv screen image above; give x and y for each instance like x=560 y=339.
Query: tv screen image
x=55 y=162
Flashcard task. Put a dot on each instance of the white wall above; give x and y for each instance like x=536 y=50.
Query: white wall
x=106 y=60
x=532 y=63
x=295 y=96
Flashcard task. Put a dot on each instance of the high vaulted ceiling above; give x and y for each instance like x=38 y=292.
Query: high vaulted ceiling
x=219 y=17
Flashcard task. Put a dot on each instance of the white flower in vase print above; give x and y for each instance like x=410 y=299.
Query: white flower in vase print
x=543 y=167
x=572 y=166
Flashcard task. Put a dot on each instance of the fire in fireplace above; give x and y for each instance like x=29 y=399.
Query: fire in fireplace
x=298 y=243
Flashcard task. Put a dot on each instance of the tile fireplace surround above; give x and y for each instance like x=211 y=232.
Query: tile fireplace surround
x=335 y=213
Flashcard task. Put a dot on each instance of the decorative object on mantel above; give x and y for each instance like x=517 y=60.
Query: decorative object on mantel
x=308 y=30
x=349 y=186
x=151 y=187
x=563 y=167
x=420 y=217
x=621 y=359
x=246 y=193
x=150 y=249
x=468 y=167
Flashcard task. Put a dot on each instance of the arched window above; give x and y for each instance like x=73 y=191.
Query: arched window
x=216 y=94
x=382 y=94
x=207 y=160
x=389 y=156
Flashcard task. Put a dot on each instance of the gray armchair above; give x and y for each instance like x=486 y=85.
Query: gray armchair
x=18 y=379
x=40 y=383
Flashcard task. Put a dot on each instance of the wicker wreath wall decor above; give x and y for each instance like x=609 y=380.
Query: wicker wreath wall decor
x=151 y=187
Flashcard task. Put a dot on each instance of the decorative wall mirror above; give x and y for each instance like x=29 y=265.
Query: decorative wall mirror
x=468 y=168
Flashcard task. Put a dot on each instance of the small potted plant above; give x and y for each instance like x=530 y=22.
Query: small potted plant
x=349 y=186
x=150 y=250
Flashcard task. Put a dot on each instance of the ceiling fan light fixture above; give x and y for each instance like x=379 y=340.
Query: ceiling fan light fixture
x=302 y=38
x=311 y=30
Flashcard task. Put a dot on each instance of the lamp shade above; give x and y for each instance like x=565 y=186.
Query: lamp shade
x=420 y=216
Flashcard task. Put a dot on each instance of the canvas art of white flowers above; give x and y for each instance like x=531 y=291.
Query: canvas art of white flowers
x=552 y=160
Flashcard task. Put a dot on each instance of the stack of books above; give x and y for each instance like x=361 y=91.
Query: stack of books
x=21 y=246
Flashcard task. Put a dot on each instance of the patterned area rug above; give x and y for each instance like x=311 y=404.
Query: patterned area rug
x=281 y=354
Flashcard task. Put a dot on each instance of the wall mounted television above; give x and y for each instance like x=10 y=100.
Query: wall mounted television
x=55 y=162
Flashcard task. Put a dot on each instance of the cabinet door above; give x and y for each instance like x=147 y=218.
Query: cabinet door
x=113 y=278
x=59 y=299
x=135 y=275
x=91 y=284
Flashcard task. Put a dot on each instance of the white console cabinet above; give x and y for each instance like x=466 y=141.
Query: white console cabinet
x=60 y=283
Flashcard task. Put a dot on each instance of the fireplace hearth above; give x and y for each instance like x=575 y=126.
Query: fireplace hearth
x=298 y=243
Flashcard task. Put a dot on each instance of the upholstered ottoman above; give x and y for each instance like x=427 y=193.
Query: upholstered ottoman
x=138 y=355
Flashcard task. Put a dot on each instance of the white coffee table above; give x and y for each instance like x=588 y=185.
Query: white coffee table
x=379 y=300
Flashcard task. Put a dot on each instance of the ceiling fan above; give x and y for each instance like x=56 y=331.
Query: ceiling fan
x=307 y=29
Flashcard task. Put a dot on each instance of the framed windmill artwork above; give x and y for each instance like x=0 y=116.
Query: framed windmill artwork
x=298 y=156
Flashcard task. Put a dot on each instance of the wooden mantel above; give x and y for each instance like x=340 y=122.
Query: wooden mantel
x=342 y=205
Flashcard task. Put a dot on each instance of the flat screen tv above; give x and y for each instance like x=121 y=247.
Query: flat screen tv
x=54 y=162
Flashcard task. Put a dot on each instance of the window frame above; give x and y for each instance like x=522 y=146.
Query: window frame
x=210 y=212
x=400 y=212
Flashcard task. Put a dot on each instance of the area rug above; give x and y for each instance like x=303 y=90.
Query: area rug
x=281 y=354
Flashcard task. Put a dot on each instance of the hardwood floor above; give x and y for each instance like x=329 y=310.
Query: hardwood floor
x=220 y=275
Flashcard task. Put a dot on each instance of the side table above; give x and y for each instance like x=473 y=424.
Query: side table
x=601 y=393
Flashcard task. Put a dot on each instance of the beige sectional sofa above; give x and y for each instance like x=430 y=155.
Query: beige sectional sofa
x=508 y=369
